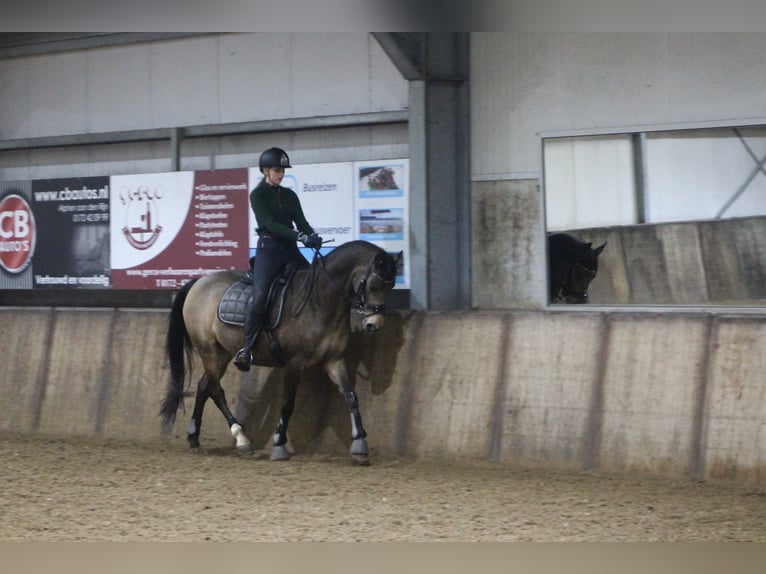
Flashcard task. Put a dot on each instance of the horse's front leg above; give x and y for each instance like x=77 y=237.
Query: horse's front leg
x=279 y=449
x=339 y=375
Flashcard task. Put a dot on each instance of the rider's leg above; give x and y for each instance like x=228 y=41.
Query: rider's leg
x=253 y=320
x=269 y=259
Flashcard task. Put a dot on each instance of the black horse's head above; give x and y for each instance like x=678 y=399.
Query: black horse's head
x=572 y=265
x=375 y=281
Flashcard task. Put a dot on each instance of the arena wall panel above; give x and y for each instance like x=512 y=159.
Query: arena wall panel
x=734 y=432
x=24 y=348
x=551 y=362
x=676 y=395
x=77 y=371
x=652 y=371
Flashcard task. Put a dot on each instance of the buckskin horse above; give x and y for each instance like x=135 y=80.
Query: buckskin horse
x=572 y=265
x=313 y=330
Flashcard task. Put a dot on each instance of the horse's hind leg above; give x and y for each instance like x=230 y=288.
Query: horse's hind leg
x=215 y=390
x=215 y=362
x=339 y=375
x=279 y=449
x=196 y=420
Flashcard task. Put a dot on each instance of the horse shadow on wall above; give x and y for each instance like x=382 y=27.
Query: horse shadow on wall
x=319 y=407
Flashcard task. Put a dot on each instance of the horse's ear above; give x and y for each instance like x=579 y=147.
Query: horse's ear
x=398 y=261
x=599 y=249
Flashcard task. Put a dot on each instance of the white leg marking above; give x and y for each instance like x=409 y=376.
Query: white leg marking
x=239 y=435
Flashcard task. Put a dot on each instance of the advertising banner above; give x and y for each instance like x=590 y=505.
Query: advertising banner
x=326 y=193
x=382 y=208
x=72 y=220
x=158 y=230
x=167 y=228
x=18 y=235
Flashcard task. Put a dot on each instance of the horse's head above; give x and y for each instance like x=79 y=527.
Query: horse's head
x=573 y=265
x=377 y=279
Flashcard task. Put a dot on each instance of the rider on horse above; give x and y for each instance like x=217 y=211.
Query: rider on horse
x=276 y=209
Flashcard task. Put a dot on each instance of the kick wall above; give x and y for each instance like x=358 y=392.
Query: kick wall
x=678 y=395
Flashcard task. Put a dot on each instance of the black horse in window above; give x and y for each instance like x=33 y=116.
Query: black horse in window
x=572 y=265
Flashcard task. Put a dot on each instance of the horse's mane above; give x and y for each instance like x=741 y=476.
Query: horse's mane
x=387 y=265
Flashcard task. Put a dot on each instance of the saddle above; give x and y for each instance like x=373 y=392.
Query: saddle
x=232 y=306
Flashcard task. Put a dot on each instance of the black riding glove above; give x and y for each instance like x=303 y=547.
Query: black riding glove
x=314 y=241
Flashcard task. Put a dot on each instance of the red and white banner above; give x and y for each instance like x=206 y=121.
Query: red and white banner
x=167 y=228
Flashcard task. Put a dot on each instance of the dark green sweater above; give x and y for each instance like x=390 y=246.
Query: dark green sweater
x=276 y=208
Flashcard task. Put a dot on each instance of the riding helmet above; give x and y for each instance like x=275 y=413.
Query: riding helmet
x=274 y=157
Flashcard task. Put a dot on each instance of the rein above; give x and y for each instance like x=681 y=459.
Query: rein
x=359 y=302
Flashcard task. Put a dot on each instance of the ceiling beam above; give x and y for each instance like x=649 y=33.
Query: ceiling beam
x=16 y=45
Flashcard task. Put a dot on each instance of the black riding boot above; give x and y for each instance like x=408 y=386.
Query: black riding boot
x=244 y=356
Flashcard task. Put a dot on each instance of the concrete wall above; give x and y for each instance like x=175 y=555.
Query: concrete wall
x=718 y=262
x=525 y=86
x=507 y=245
x=672 y=395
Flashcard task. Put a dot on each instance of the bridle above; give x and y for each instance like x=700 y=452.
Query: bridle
x=564 y=290
x=362 y=306
x=359 y=303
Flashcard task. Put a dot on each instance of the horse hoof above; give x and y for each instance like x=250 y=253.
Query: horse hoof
x=280 y=453
x=360 y=459
x=359 y=447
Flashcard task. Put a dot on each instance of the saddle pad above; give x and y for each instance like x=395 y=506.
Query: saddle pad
x=231 y=308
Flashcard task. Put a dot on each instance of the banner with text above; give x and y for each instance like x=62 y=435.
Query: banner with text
x=157 y=231
x=382 y=208
x=167 y=228
x=326 y=193
x=72 y=219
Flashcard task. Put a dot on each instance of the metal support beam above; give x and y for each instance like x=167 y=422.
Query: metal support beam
x=210 y=130
x=639 y=176
x=404 y=49
x=17 y=45
x=440 y=198
x=176 y=136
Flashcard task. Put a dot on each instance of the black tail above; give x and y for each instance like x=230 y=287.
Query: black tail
x=177 y=354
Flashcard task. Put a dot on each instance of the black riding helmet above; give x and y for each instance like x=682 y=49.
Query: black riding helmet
x=274 y=157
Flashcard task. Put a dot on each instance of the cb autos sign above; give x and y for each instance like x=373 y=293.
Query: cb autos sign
x=18 y=234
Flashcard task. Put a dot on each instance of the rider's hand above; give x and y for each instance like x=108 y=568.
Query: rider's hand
x=314 y=241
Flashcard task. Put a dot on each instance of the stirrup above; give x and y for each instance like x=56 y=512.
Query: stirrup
x=243 y=359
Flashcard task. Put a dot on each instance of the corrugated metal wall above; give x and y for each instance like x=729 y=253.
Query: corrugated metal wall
x=527 y=83
x=210 y=79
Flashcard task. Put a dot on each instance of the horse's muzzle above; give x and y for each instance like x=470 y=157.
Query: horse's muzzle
x=576 y=298
x=372 y=323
